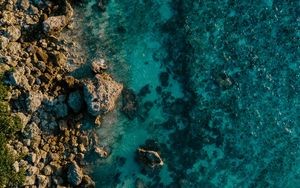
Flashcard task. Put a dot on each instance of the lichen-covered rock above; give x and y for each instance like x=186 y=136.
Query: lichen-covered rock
x=33 y=132
x=54 y=24
x=75 y=101
x=101 y=94
x=74 y=174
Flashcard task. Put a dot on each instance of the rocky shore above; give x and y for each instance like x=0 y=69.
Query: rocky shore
x=50 y=103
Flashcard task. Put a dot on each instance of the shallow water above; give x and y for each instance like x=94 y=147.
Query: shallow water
x=224 y=91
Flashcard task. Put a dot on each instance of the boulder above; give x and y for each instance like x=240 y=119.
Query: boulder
x=149 y=158
x=75 y=101
x=100 y=152
x=75 y=174
x=101 y=93
x=130 y=103
x=34 y=101
x=54 y=24
x=99 y=66
x=58 y=58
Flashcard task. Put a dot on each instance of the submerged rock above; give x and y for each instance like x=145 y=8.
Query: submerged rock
x=149 y=158
x=101 y=93
x=75 y=101
x=130 y=103
x=75 y=174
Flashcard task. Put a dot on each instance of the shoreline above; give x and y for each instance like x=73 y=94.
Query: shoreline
x=50 y=103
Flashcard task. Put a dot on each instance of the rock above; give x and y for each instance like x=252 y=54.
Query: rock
x=32 y=170
x=98 y=120
x=81 y=148
x=34 y=101
x=130 y=103
x=149 y=158
x=54 y=24
x=16 y=166
x=25 y=4
x=75 y=101
x=47 y=170
x=24 y=119
x=99 y=66
x=18 y=78
x=33 y=133
x=29 y=180
x=32 y=158
x=101 y=94
x=84 y=140
x=14 y=49
x=58 y=58
x=87 y=182
x=42 y=181
x=75 y=174
x=41 y=54
x=100 y=152
x=3 y=42
x=13 y=33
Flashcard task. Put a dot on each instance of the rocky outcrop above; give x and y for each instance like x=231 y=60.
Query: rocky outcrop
x=34 y=101
x=101 y=93
x=54 y=25
x=75 y=174
x=149 y=158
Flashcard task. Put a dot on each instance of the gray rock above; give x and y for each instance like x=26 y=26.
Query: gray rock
x=75 y=101
x=74 y=174
x=54 y=24
x=34 y=101
x=101 y=94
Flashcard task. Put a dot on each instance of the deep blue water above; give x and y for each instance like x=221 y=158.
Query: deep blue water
x=223 y=104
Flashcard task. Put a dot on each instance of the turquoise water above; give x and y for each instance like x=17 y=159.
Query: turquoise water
x=223 y=80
